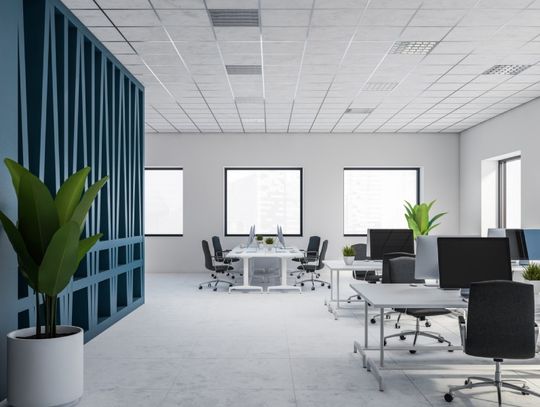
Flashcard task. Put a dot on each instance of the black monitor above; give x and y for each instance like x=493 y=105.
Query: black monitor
x=518 y=250
x=465 y=260
x=382 y=241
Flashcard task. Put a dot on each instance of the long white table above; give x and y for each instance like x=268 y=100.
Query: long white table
x=337 y=266
x=383 y=296
x=248 y=253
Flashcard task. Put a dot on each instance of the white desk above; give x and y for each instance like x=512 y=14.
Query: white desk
x=338 y=266
x=400 y=296
x=248 y=253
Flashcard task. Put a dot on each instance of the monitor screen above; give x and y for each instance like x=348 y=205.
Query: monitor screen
x=382 y=241
x=518 y=250
x=532 y=243
x=464 y=260
x=427 y=260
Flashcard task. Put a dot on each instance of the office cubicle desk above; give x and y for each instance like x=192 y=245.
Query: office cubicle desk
x=381 y=296
x=337 y=266
x=248 y=253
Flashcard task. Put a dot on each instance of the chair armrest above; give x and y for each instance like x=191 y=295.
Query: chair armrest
x=462 y=330
x=535 y=332
x=218 y=261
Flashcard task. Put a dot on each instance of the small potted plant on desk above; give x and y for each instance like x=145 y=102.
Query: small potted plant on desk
x=45 y=363
x=531 y=273
x=259 y=239
x=348 y=255
x=269 y=243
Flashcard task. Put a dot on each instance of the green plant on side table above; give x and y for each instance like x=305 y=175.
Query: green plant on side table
x=269 y=241
x=46 y=238
x=531 y=273
x=259 y=238
x=418 y=218
x=348 y=254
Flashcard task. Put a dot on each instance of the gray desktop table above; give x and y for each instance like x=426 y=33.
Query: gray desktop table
x=383 y=296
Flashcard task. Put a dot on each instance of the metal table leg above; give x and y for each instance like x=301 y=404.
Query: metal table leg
x=245 y=286
x=284 y=286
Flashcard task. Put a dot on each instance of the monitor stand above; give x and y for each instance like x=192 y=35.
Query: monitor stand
x=465 y=292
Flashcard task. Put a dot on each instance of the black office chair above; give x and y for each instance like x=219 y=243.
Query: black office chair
x=220 y=253
x=385 y=279
x=310 y=255
x=313 y=266
x=500 y=325
x=401 y=271
x=360 y=250
x=215 y=266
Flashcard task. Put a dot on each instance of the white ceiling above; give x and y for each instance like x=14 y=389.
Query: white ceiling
x=319 y=58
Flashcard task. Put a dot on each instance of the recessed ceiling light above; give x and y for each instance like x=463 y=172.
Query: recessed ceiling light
x=248 y=100
x=380 y=86
x=234 y=17
x=505 y=69
x=413 y=47
x=359 y=110
x=244 y=69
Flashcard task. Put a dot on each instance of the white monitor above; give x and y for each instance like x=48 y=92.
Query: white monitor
x=251 y=235
x=426 y=266
x=495 y=232
x=280 y=236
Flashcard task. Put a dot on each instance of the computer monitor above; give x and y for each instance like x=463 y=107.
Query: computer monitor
x=465 y=260
x=532 y=243
x=496 y=232
x=382 y=241
x=251 y=236
x=426 y=266
x=516 y=239
x=280 y=237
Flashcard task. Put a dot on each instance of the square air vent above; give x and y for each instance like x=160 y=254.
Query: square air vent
x=248 y=100
x=244 y=69
x=359 y=110
x=413 y=47
x=234 y=17
x=379 y=86
x=505 y=69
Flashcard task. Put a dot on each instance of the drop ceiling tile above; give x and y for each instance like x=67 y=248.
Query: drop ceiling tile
x=437 y=17
x=470 y=33
x=285 y=18
x=411 y=33
x=191 y=33
x=386 y=17
x=175 y=4
x=237 y=33
x=283 y=34
x=284 y=4
x=329 y=17
x=232 y=4
x=118 y=48
x=133 y=18
x=331 y=33
x=107 y=34
x=92 y=18
x=124 y=4
x=144 y=33
x=185 y=18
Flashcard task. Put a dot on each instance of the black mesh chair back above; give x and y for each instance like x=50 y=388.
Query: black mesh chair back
x=401 y=270
x=322 y=255
x=500 y=322
x=207 y=256
x=313 y=244
x=218 y=250
x=385 y=264
x=360 y=250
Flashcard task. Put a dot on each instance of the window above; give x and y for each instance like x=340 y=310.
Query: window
x=164 y=201
x=264 y=197
x=374 y=198
x=510 y=193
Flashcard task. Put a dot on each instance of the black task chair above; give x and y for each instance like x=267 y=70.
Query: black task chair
x=500 y=325
x=401 y=271
x=310 y=255
x=313 y=266
x=220 y=254
x=360 y=250
x=215 y=266
x=385 y=279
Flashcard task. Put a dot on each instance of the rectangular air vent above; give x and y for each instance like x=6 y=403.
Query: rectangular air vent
x=413 y=47
x=244 y=69
x=505 y=69
x=379 y=86
x=359 y=110
x=234 y=17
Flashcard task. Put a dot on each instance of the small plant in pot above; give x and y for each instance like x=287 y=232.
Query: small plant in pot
x=348 y=255
x=259 y=239
x=269 y=242
x=531 y=273
x=45 y=363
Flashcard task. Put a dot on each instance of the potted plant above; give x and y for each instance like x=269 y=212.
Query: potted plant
x=531 y=273
x=259 y=239
x=418 y=218
x=45 y=363
x=269 y=242
x=348 y=255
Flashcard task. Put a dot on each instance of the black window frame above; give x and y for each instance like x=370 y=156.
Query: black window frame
x=301 y=169
x=501 y=189
x=152 y=168
x=418 y=188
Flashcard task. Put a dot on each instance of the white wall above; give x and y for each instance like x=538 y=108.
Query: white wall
x=516 y=130
x=323 y=156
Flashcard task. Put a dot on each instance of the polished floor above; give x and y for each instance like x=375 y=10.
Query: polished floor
x=187 y=347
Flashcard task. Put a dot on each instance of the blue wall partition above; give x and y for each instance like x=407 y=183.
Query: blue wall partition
x=72 y=104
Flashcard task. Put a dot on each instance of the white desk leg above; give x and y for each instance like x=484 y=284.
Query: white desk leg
x=382 y=338
x=337 y=288
x=366 y=324
x=245 y=286
x=284 y=285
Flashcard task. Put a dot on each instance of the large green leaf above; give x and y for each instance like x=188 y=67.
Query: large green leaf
x=38 y=219
x=422 y=217
x=16 y=171
x=438 y=216
x=87 y=244
x=60 y=260
x=28 y=267
x=69 y=195
x=80 y=212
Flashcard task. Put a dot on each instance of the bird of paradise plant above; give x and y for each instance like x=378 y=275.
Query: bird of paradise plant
x=418 y=218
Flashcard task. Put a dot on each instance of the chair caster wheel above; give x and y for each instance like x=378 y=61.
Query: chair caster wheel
x=209 y=285
x=358 y=298
x=322 y=284
x=384 y=343
x=302 y=284
x=397 y=326
x=348 y=301
x=298 y=277
x=412 y=352
x=466 y=383
x=428 y=324
x=402 y=337
x=214 y=289
x=200 y=287
x=230 y=285
x=312 y=288
x=232 y=277
x=440 y=340
x=373 y=321
x=448 y=397
x=387 y=317
x=329 y=287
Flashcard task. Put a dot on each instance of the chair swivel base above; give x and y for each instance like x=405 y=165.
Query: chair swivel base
x=313 y=281
x=416 y=333
x=495 y=382
x=215 y=282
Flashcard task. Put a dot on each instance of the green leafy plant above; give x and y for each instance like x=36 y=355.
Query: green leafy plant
x=46 y=235
x=269 y=240
x=531 y=272
x=418 y=218
x=259 y=238
x=348 y=251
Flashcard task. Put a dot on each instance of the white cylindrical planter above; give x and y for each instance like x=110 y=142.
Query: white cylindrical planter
x=45 y=372
x=536 y=285
x=348 y=260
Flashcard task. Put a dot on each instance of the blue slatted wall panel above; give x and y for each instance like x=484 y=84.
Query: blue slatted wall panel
x=79 y=106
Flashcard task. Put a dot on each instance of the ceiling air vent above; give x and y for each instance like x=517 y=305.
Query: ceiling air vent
x=413 y=47
x=244 y=69
x=234 y=17
x=505 y=69
x=379 y=86
x=359 y=110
